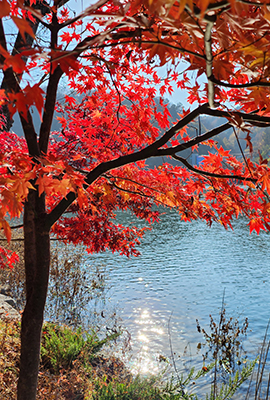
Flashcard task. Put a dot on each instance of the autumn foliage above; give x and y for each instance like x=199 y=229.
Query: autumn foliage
x=113 y=117
x=112 y=113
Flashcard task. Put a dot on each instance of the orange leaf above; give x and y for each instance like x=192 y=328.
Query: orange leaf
x=7 y=230
x=63 y=186
x=3 y=97
x=34 y=96
x=265 y=183
x=23 y=26
x=4 y=8
x=16 y=63
x=82 y=198
x=17 y=101
x=204 y=4
x=255 y=224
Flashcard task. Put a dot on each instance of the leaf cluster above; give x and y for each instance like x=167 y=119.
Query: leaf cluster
x=111 y=122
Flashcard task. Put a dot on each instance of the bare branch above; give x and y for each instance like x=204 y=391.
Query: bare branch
x=209 y=60
x=49 y=106
x=19 y=45
x=2 y=38
x=12 y=240
x=16 y=226
x=26 y=121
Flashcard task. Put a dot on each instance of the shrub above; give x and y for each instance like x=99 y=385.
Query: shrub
x=61 y=346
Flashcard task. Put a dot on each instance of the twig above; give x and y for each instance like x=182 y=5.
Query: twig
x=172 y=356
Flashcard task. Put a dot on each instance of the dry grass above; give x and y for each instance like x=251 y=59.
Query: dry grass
x=74 y=383
x=13 y=279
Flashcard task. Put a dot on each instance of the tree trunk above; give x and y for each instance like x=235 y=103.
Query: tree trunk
x=37 y=262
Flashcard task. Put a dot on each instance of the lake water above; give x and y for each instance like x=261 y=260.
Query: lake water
x=181 y=276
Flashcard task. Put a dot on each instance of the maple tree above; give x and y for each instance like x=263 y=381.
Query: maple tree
x=70 y=183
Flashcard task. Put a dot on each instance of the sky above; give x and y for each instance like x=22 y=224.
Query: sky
x=179 y=95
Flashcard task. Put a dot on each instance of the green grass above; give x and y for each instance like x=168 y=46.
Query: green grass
x=61 y=346
x=72 y=368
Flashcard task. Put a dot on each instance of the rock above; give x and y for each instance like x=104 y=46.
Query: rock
x=7 y=309
x=8 y=300
x=4 y=290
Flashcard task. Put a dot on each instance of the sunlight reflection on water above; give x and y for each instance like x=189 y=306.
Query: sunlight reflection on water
x=147 y=327
x=180 y=276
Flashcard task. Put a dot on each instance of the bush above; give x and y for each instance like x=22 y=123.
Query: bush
x=61 y=346
x=138 y=389
x=72 y=286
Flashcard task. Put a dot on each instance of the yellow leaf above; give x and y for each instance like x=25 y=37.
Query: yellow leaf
x=63 y=187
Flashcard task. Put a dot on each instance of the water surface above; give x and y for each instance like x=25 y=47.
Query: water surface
x=181 y=276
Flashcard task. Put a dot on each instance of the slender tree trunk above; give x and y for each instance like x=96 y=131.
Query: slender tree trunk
x=37 y=262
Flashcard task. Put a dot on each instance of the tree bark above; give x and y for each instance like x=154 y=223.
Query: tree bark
x=37 y=262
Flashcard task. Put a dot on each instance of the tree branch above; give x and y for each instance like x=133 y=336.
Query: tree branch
x=252 y=118
x=51 y=92
x=112 y=178
x=193 y=142
x=238 y=86
x=147 y=152
x=211 y=174
x=155 y=150
x=16 y=226
x=209 y=59
x=49 y=106
x=254 y=3
x=27 y=122
x=91 y=42
x=160 y=42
